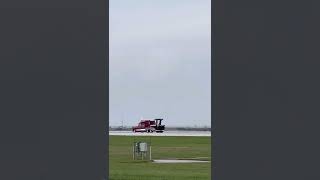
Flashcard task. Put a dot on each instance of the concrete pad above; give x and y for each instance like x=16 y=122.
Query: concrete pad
x=178 y=161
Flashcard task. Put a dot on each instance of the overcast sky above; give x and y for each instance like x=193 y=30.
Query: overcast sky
x=160 y=61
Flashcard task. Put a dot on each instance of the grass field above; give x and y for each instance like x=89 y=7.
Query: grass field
x=122 y=167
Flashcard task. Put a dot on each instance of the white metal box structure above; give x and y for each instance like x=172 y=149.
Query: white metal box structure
x=143 y=147
x=141 y=150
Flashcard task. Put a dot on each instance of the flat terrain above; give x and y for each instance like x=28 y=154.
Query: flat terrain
x=122 y=167
x=166 y=133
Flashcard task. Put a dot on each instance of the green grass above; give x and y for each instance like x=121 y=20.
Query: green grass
x=122 y=167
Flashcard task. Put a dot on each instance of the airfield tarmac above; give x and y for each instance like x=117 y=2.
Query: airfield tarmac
x=166 y=133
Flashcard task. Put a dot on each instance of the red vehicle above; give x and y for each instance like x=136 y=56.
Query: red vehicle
x=149 y=126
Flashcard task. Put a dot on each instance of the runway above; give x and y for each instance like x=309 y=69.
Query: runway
x=166 y=133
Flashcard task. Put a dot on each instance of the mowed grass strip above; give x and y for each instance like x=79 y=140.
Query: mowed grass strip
x=122 y=167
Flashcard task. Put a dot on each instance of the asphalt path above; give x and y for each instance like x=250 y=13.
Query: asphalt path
x=177 y=161
x=165 y=133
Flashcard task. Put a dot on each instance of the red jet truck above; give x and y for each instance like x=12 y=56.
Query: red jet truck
x=149 y=126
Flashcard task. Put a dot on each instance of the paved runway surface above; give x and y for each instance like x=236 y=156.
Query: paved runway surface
x=166 y=133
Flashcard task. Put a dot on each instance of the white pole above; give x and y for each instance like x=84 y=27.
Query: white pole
x=150 y=153
x=133 y=152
